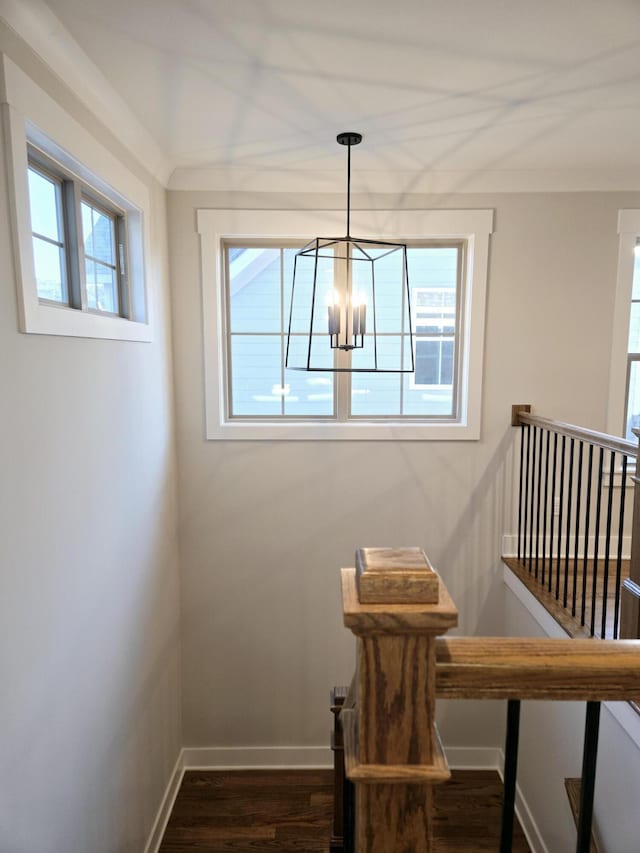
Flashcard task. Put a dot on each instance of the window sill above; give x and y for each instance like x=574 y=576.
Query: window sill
x=42 y=318
x=331 y=431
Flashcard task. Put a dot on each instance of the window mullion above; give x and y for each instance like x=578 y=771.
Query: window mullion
x=282 y=344
x=343 y=359
x=73 y=240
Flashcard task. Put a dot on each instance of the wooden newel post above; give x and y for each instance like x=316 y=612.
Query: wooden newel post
x=396 y=604
x=630 y=594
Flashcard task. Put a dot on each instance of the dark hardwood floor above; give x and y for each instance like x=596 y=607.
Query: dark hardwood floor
x=290 y=811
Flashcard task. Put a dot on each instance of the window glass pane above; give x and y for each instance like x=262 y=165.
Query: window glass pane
x=387 y=269
x=303 y=294
x=98 y=231
x=44 y=204
x=102 y=287
x=431 y=402
x=378 y=393
x=322 y=356
x=636 y=276
x=633 y=404
x=429 y=391
x=256 y=386
x=254 y=290
x=634 y=328
x=308 y=394
x=434 y=361
x=49 y=268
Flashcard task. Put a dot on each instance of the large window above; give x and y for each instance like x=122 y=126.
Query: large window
x=247 y=293
x=257 y=295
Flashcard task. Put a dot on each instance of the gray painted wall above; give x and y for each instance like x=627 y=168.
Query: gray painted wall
x=266 y=526
x=89 y=589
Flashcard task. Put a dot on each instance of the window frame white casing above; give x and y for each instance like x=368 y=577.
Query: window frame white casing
x=628 y=231
x=30 y=115
x=216 y=226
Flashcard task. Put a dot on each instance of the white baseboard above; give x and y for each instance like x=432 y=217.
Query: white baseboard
x=249 y=757
x=474 y=757
x=166 y=806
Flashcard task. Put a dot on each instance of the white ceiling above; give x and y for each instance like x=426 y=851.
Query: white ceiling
x=251 y=87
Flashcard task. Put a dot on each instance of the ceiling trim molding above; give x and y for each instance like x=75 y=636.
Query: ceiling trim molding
x=36 y=24
x=401 y=183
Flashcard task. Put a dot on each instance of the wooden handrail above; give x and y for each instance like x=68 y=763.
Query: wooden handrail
x=515 y=668
x=598 y=439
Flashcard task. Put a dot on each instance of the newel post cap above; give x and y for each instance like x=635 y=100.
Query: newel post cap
x=396 y=591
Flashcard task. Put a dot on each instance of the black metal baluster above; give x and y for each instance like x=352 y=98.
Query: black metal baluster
x=533 y=488
x=559 y=549
x=587 y=518
x=596 y=544
x=526 y=493
x=520 y=531
x=588 y=783
x=546 y=507
x=565 y=592
x=510 y=773
x=553 y=504
x=349 y=819
x=623 y=488
x=607 y=546
x=538 y=502
x=577 y=533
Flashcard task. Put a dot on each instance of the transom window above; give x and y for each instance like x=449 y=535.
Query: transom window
x=79 y=221
x=257 y=282
x=79 y=241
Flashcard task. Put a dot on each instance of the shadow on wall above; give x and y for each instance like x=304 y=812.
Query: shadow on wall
x=469 y=558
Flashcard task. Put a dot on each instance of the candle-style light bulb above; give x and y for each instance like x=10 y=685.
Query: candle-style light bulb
x=333 y=309
x=359 y=314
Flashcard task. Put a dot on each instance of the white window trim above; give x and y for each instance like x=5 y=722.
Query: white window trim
x=215 y=226
x=629 y=231
x=31 y=115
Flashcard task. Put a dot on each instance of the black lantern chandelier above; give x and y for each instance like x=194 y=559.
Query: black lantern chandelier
x=350 y=302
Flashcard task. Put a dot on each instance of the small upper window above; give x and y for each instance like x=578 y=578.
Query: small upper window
x=79 y=242
x=79 y=221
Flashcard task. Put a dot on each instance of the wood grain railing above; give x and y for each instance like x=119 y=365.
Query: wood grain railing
x=556 y=670
x=574 y=506
x=392 y=750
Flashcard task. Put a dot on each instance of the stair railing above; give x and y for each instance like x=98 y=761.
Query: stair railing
x=573 y=504
x=392 y=751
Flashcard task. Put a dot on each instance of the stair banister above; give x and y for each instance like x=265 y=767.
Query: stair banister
x=392 y=751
